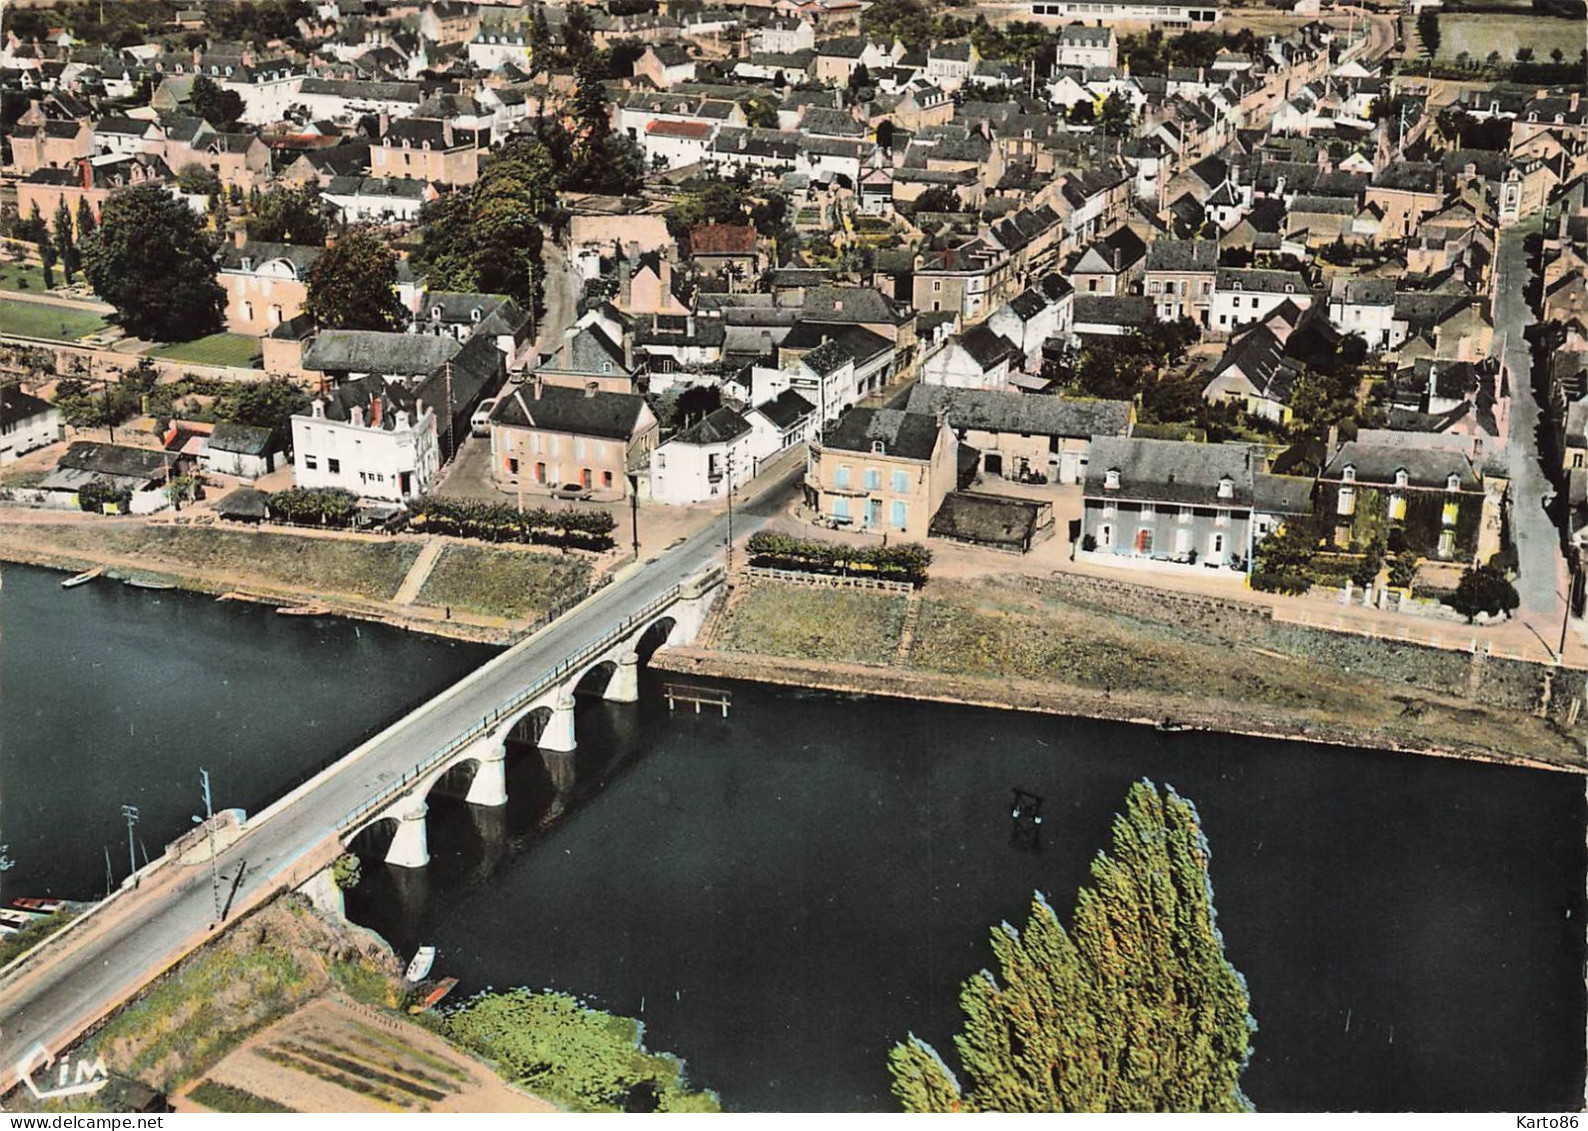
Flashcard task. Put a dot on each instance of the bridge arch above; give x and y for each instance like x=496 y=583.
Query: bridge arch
x=374 y=840
x=657 y=634
x=455 y=781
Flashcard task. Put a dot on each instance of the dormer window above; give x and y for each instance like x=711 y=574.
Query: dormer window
x=435 y=313
x=879 y=448
x=1290 y=288
x=1401 y=478
x=1453 y=482
x=1111 y=479
x=474 y=315
x=1226 y=488
x=1348 y=473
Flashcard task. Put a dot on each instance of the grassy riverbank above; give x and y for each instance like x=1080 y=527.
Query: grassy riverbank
x=490 y=590
x=1120 y=652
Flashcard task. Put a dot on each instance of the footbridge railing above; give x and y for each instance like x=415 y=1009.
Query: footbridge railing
x=508 y=706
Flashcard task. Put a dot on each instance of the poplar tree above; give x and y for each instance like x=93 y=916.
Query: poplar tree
x=65 y=244
x=1134 y=1008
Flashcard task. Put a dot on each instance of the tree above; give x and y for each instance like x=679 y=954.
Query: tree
x=885 y=133
x=602 y=162
x=195 y=178
x=65 y=244
x=47 y=249
x=938 y=198
x=1485 y=589
x=760 y=110
x=353 y=285
x=220 y=108
x=152 y=260
x=1428 y=30
x=346 y=871
x=1117 y=115
x=87 y=224
x=1134 y=1008
x=1524 y=54
x=577 y=32
x=285 y=215
x=1557 y=56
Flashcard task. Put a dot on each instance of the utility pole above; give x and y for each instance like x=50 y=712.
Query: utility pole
x=209 y=820
x=130 y=812
x=730 y=510
x=451 y=451
x=634 y=509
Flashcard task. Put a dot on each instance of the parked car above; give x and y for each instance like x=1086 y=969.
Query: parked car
x=572 y=492
x=480 y=422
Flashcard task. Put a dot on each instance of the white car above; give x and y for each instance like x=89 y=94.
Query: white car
x=480 y=422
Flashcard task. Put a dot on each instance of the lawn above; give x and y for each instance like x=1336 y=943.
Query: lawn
x=218 y=349
x=22 y=277
x=1479 y=33
x=513 y=584
x=311 y=566
x=44 y=320
x=845 y=625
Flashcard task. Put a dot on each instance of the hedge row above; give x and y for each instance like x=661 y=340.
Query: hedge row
x=323 y=506
x=905 y=562
x=588 y=528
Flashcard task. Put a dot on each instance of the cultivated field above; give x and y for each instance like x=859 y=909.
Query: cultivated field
x=45 y=320
x=218 y=349
x=793 y=620
x=1479 y=33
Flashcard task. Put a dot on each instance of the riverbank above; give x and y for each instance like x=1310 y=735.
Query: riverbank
x=1072 y=646
x=485 y=594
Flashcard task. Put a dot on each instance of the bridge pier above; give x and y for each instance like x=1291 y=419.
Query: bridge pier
x=558 y=735
x=489 y=786
x=410 y=848
x=624 y=686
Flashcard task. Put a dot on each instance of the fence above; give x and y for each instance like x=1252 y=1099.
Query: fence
x=829 y=580
x=606 y=640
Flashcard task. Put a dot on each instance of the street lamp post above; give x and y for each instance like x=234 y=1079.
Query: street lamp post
x=130 y=812
x=634 y=510
x=730 y=509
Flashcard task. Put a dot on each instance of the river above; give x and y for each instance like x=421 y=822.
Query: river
x=782 y=894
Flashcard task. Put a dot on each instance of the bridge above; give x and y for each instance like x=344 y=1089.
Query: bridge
x=65 y=987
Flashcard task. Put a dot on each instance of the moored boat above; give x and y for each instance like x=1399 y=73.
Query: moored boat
x=419 y=968
x=150 y=583
x=43 y=906
x=443 y=988
x=82 y=578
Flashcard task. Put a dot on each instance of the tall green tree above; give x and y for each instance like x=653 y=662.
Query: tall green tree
x=220 y=108
x=285 y=215
x=353 y=285
x=1134 y=1008
x=87 y=224
x=153 y=261
x=65 y=243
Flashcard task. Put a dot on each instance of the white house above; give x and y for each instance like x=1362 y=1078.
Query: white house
x=240 y=450
x=1366 y=306
x=781 y=422
x=1082 y=46
x=673 y=145
x=368 y=437
x=980 y=359
x=26 y=423
x=705 y=461
x=1242 y=296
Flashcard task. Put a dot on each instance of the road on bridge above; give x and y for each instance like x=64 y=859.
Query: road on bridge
x=99 y=965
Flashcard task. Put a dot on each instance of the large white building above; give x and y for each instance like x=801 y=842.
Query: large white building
x=368 y=437
x=1145 y=13
x=26 y=423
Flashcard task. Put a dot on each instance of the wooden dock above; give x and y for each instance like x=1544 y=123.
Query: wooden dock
x=677 y=693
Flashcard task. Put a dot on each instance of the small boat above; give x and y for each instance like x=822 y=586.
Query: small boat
x=82 y=578
x=1169 y=726
x=150 y=583
x=443 y=988
x=42 y=906
x=419 y=968
x=11 y=917
x=302 y=611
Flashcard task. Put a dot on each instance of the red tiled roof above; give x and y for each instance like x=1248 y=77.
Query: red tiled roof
x=721 y=239
x=697 y=131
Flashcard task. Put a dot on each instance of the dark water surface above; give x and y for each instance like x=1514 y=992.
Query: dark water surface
x=113 y=696
x=783 y=894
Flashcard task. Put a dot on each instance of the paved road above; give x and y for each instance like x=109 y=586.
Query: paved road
x=1541 y=569
x=149 y=928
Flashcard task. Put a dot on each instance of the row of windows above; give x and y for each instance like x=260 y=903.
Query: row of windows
x=1149 y=512
x=586 y=476
x=1145 y=541
x=899 y=481
x=1184 y=288
x=332 y=466
x=1395 y=508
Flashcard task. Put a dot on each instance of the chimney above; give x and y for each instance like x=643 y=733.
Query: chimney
x=374 y=411
x=383 y=123
x=1572 y=104
x=1334 y=439
x=240 y=237
x=538 y=383
x=625 y=283
x=591 y=388
x=357 y=416
x=665 y=274
x=87 y=171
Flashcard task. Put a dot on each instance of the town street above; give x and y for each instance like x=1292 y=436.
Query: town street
x=1541 y=582
x=144 y=931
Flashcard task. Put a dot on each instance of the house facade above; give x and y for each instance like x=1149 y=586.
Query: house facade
x=544 y=436
x=882 y=470
x=370 y=437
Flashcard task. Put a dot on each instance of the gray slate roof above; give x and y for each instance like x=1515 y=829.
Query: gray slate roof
x=905 y=435
x=373 y=351
x=1170 y=471
x=582 y=412
x=991 y=411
